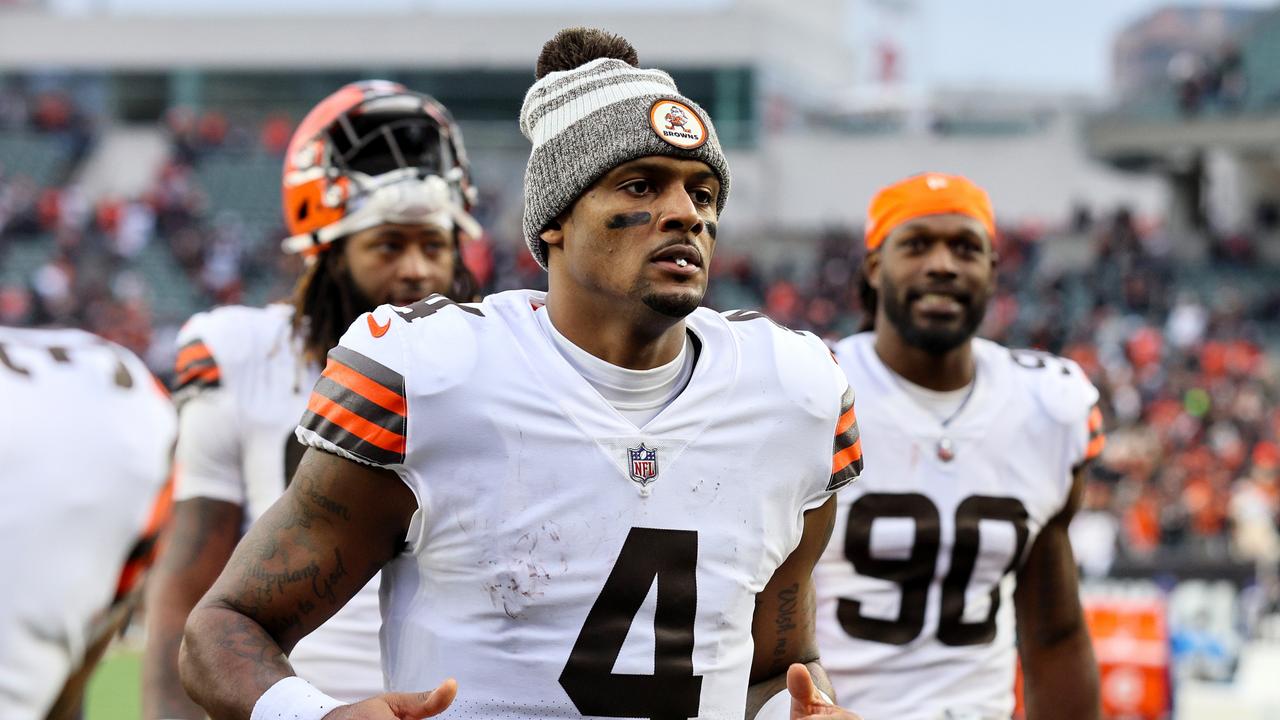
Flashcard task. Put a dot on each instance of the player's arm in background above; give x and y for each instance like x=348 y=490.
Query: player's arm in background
x=197 y=546
x=783 y=628
x=1060 y=675
x=207 y=518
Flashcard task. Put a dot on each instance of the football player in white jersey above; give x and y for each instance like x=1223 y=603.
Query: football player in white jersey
x=953 y=548
x=376 y=193
x=77 y=527
x=603 y=501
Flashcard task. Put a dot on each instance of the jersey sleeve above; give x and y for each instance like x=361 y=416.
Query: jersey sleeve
x=1075 y=402
x=195 y=370
x=1095 y=438
x=358 y=408
x=827 y=383
x=846 y=457
x=207 y=455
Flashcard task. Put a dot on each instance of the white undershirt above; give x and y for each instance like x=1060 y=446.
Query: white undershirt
x=942 y=404
x=639 y=395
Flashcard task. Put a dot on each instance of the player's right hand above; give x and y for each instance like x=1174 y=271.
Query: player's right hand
x=399 y=706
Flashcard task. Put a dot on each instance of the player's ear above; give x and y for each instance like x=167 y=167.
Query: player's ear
x=871 y=269
x=553 y=233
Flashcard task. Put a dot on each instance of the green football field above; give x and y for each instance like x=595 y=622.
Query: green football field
x=115 y=690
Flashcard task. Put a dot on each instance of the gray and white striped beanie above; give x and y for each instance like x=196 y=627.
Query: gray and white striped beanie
x=586 y=121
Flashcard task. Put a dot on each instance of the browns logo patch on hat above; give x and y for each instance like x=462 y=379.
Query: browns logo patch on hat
x=677 y=124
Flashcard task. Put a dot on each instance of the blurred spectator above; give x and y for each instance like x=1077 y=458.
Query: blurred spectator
x=1186 y=73
x=275 y=134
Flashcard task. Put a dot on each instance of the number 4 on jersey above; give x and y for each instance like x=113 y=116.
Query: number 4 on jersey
x=649 y=555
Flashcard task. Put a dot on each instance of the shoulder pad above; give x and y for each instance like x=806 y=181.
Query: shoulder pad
x=806 y=368
x=233 y=332
x=223 y=339
x=433 y=340
x=387 y=358
x=1058 y=383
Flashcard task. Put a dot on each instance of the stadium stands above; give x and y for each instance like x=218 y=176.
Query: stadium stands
x=1178 y=350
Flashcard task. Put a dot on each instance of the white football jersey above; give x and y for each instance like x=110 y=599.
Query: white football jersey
x=915 y=606
x=241 y=386
x=85 y=441
x=562 y=561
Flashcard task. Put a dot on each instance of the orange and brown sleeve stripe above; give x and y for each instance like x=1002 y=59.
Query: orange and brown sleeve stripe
x=359 y=405
x=196 y=369
x=144 y=551
x=846 y=460
x=1097 y=439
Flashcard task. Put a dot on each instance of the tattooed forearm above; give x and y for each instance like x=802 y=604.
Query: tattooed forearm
x=785 y=621
x=247 y=640
x=228 y=661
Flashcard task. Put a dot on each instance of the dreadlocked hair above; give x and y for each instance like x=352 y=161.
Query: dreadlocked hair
x=868 y=298
x=326 y=300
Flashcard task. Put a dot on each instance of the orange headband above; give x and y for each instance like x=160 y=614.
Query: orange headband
x=926 y=194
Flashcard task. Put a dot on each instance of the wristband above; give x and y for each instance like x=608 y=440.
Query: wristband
x=777 y=707
x=293 y=698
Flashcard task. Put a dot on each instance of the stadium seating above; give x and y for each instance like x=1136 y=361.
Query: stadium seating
x=41 y=157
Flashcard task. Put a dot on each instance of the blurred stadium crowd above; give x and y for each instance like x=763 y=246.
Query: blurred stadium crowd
x=1190 y=388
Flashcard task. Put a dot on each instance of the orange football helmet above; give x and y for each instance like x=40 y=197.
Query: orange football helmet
x=374 y=152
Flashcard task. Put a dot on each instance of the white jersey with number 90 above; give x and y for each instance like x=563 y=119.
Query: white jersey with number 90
x=915 y=611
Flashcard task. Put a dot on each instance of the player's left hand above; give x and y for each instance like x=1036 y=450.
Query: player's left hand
x=806 y=702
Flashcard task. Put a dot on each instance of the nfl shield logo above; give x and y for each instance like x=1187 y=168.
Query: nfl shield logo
x=644 y=464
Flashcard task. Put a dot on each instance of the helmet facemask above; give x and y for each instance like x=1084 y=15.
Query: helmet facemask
x=402 y=162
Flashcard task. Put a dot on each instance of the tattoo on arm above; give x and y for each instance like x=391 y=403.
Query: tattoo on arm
x=783 y=626
x=335 y=526
x=785 y=621
x=247 y=640
x=290 y=565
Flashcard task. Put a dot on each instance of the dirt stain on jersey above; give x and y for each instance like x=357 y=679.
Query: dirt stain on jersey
x=518 y=581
